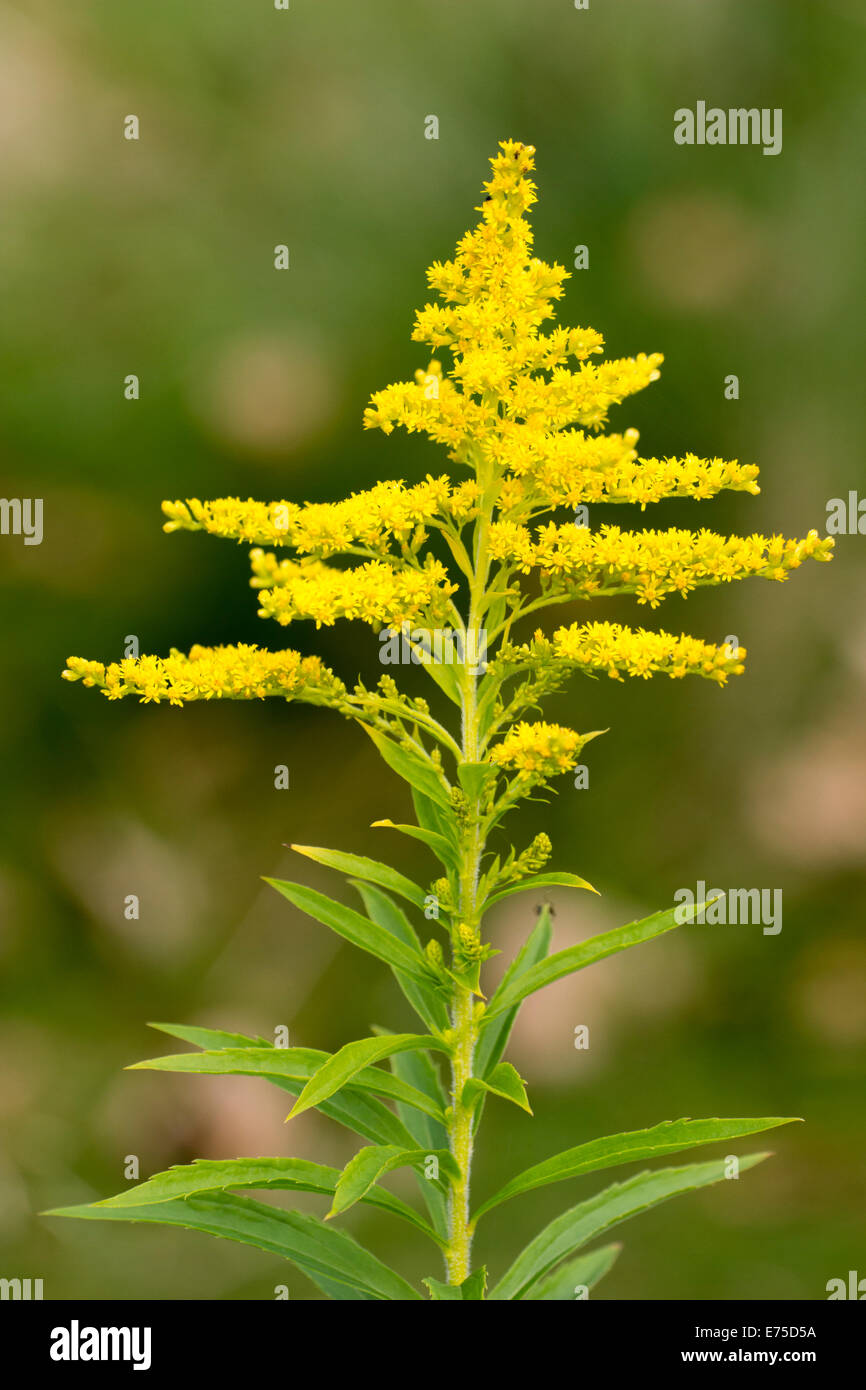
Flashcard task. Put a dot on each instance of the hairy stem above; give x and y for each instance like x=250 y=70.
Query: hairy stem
x=457 y=1256
x=463 y=1013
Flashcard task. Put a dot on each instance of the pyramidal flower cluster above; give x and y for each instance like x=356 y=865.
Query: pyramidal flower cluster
x=522 y=409
x=521 y=406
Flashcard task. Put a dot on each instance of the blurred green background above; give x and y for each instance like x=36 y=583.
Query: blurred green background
x=306 y=127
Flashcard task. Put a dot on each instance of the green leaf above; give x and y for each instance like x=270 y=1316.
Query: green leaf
x=492 y=874
x=321 y=1252
x=371 y=1164
x=367 y=935
x=369 y=870
x=494 y=1033
x=219 y=1174
x=295 y=1064
x=362 y=1113
x=467 y=976
x=411 y=767
x=586 y=953
x=489 y=694
x=269 y=1174
x=475 y=1286
x=442 y=672
x=475 y=778
x=211 y=1039
x=443 y=1293
x=432 y=816
x=583 y=1272
x=445 y=676
x=426 y=999
x=419 y=1070
x=503 y=1081
x=359 y=1112
x=671 y=1136
x=345 y=1065
x=441 y=847
x=591 y=1218
x=525 y=885
x=471 y=1290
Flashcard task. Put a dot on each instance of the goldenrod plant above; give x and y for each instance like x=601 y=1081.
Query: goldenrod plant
x=445 y=570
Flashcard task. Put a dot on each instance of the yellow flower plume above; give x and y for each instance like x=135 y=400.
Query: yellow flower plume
x=522 y=404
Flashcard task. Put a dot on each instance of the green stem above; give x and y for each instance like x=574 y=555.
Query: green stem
x=465 y=1027
x=457 y=1255
x=463 y=1014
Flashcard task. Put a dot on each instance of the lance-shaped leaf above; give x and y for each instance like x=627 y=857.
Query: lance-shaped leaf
x=567 y=1233
x=371 y=1164
x=504 y=1080
x=331 y=1258
x=209 y=1039
x=441 y=671
x=368 y=870
x=671 y=1136
x=367 y=935
x=538 y=881
x=345 y=1065
x=444 y=851
x=357 y=1111
x=296 y=1064
x=489 y=695
x=584 y=1272
x=586 y=953
x=432 y=815
x=470 y=1291
x=264 y=1174
x=468 y=975
x=476 y=778
x=419 y=1070
x=426 y=999
x=445 y=677
x=496 y=1032
x=412 y=767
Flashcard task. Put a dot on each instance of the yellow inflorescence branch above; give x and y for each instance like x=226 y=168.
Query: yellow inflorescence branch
x=447 y=417
x=605 y=469
x=375 y=592
x=452 y=416
x=529 y=452
x=212 y=673
x=538 y=751
x=623 y=651
x=576 y=562
x=373 y=520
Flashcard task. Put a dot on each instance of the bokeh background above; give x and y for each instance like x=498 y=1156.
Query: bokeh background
x=306 y=127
